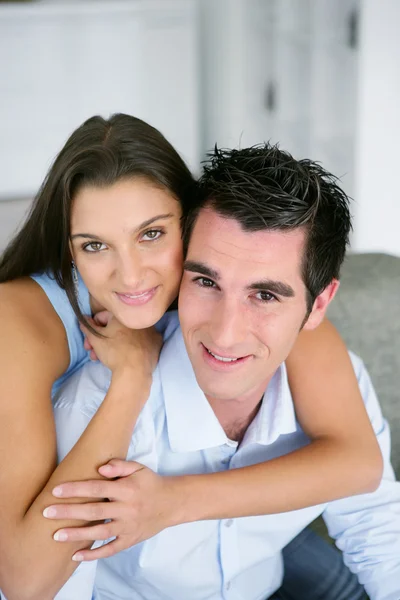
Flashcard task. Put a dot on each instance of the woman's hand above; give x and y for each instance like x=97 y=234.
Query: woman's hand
x=141 y=504
x=118 y=347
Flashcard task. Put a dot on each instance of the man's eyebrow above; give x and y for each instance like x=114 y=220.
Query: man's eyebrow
x=276 y=287
x=137 y=229
x=269 y=285
x=199 y=267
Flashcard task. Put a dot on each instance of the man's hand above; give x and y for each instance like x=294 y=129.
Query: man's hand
x=141 y=504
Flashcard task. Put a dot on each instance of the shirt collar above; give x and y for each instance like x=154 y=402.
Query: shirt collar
x=191 y=422
x=276 y=415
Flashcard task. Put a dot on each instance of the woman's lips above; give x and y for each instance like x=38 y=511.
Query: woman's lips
x=138 y=298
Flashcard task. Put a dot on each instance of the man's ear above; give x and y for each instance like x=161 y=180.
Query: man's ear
x=321 y=304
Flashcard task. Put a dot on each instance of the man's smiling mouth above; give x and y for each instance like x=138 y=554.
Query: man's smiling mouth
x=222 y=358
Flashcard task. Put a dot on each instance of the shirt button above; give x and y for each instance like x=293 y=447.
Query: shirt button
x=229 y=523
x=225 y=461
x=228 y=585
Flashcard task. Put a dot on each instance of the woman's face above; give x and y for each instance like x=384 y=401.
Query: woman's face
x=126 y=244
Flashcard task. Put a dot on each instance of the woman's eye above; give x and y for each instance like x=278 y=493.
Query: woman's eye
x=266 y=296
x=94 y=247
x=152 y=234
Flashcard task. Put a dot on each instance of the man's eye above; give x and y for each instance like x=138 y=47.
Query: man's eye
x=152 y=234
x=94 y=247
x=266 y=296
x=204 y=282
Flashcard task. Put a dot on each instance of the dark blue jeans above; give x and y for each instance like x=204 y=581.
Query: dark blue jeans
x=314 y=570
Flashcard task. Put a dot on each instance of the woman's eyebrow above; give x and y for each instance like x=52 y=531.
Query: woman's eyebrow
x=152 y=220
x=89 y=236
x=146 y=223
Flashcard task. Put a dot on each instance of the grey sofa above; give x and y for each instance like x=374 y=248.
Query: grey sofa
x=366 y=311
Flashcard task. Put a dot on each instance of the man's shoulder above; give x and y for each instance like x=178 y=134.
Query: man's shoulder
x=168 y=324
x=85 y=389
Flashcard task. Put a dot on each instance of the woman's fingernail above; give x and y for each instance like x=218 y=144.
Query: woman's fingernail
x=49 y=512
x=57 y=491
x=107 y=468
x=60 y=536
x=78 y=557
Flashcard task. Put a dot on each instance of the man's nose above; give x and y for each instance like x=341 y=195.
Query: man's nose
x=229 y=325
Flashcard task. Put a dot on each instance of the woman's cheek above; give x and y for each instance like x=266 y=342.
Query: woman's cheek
x=94 y=276
x=171 y=262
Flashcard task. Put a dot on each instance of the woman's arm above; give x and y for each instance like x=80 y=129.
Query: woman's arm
x=342 y=459
x=33 y=354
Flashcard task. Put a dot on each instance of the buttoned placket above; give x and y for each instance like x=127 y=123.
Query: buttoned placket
x=227 y=530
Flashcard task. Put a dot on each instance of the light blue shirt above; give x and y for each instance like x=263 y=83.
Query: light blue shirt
x=59 y=300
x=233 y=559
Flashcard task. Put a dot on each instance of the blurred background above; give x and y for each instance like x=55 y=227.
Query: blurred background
x=321 y=77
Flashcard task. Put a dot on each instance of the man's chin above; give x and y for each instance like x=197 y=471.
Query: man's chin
x=217 y=391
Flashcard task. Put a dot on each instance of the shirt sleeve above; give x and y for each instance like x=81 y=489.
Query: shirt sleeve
x=367 y=527
x=80 y=584
x=76 y=402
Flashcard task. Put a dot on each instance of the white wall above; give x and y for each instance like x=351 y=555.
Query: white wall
x=62 y=62
x=12 y=213
x=377 y=185
x=171 y=93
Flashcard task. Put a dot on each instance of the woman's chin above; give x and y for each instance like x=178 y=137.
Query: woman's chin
x=139 y=319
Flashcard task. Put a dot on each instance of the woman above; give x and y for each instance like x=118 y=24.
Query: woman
x=111 y=206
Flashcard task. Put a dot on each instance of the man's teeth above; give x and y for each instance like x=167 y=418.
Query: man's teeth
x=221 y=358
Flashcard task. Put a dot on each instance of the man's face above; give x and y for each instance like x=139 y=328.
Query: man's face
x=242 y=304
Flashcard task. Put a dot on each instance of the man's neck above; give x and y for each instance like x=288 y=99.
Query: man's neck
x=235 y=415
x=235 y=426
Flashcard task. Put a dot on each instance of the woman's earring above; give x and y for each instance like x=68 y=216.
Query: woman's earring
x=75 y=279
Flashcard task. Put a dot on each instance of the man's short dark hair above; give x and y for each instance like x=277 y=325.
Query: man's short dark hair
x=265 y=188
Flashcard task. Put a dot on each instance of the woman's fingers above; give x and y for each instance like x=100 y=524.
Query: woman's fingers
x=91 y=511
x=86 y=344
x=92 y=324
x=103 y=318
x=104 y=551
x=96 y=488
x=119 y=468
x=143 y=505
x=86 y=534
x=117 y=345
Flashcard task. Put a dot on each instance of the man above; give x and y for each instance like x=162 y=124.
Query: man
x=220 y=397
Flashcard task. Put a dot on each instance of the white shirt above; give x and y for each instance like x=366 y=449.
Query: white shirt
x=234 y=559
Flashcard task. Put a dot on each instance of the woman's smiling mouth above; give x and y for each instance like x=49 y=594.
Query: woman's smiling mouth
x=137 y=298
